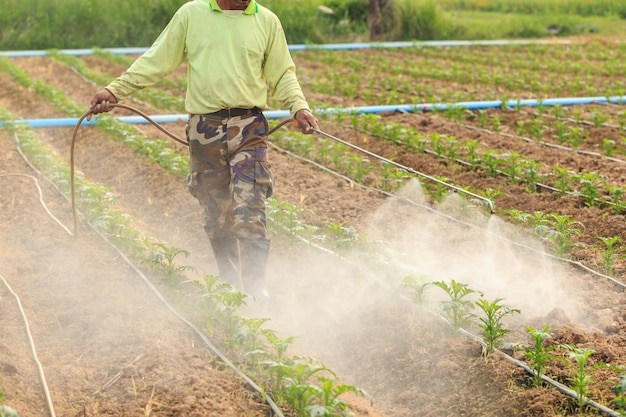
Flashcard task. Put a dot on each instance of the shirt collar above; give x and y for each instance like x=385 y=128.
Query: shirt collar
x=252 y=8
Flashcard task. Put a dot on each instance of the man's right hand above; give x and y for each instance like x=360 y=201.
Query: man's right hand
x=101 y=102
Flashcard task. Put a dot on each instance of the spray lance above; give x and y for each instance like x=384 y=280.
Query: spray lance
x=408 y=169
x=281 y=124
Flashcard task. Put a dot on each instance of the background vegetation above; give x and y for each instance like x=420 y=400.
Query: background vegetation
x=44 y=24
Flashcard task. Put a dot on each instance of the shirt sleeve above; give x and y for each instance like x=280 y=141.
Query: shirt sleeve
x=164 y=56
x=280 y=72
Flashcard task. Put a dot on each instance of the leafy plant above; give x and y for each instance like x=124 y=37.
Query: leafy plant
x=162 y=258
x=539 y=354
x=581 y=378
x=620 y=395
x=562 y=233
x=217 y=303
x=416 y=286
x=590 y=183
x=609 y=254
x=330 y=405
x=457 y=310
x=298 y=389
x=5 y=410
x=491 y=321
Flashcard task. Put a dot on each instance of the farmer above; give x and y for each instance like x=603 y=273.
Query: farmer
x=236 y=52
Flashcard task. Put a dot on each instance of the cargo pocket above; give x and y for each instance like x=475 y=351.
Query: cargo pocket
x=263 y=179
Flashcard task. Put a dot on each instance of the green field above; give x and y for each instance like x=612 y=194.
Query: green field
x=44 y=24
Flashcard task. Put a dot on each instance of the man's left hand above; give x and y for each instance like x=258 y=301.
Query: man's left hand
x=306 y=121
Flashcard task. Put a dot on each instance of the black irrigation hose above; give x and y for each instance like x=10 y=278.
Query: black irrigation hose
x=78 y=123
x=247 y=379
x=145 y=116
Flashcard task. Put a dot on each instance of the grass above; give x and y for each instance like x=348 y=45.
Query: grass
x=45 y=24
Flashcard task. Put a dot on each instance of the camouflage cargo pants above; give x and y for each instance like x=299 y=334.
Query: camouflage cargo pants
x=230 y=173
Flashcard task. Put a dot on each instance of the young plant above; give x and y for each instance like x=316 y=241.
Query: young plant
x=251 y=338
x=539 y=354
x=491 y=322
x=562 y=178
x=532 y=175
x=330 y=405
x=590 y=184
x=620 y=395
x=513 y=164
x=298 y=389
x=609 y=254
x=161 y=258
x=457 y=310
x=217 y=303
x=562 y=232
x=581 y=378
x=417 y=288
x=617 y=197
x=5 y=410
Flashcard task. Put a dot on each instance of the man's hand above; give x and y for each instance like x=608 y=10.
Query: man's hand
x=306 y=121
x=101 y=102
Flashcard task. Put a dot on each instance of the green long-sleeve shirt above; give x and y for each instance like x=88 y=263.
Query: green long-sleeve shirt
x=232 y=59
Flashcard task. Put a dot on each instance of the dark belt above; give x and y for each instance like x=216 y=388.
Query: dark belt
x=234 y=112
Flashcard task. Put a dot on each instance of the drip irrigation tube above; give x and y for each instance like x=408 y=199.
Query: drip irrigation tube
x=406 y=108
x=31 y=342
x=43 y=203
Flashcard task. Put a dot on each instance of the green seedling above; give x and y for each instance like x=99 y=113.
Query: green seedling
x=298 y=389
x=540 y=224
x=518 y=217
x=539 y=354
x=563 y=178
x=457 y=310
x=482 y=119
x=608 y=147
x=437 y=190
x=251 y=339
x=162 y=258
x=471 y=149
x=491 y=161
x=617 y=197
x=620 y=395
x=490 y=324
x=513 y=165
x=330 y=405
x=496 y=123
x=581 y=378
x=278 y=362
x=5 y=410
x=342 y=236
x=590 y=184
x=532 y=175
x=609 y=254
x=599 y=118
x=416 y=287
x=562 y=231
x=217 y=303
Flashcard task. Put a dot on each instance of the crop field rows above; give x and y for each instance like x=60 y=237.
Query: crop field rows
x=550 y=256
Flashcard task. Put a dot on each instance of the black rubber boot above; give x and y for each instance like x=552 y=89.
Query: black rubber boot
x=226 y=251
x=254 y=255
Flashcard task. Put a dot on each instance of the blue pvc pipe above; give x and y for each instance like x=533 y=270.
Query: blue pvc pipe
x=301 y=47
x=409 y=108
